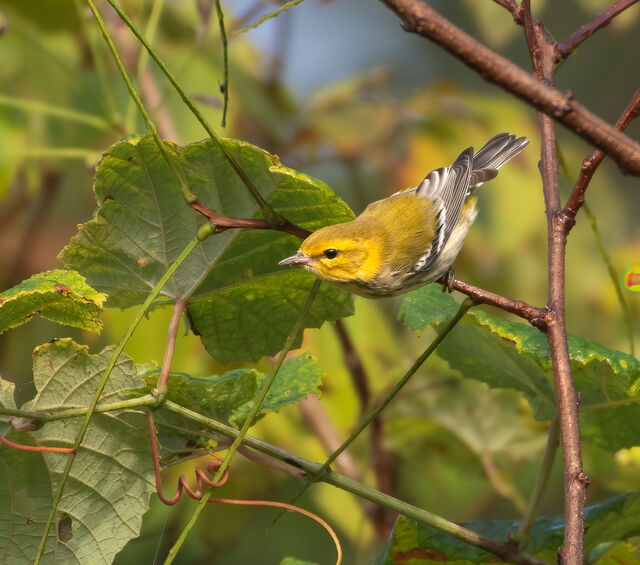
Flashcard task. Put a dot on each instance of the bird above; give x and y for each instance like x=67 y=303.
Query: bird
x=412 y=237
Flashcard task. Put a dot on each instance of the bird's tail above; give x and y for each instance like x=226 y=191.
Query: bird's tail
x=493 y=154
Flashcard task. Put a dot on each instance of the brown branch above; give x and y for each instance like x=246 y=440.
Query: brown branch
x=574 y=479
x=221 y=223
x=383 y=461
x=317 y=419
x=591 y=163
x=420 y=18
x=356 y=368
x=536 y=316
x=513 y=8
x=568 y=45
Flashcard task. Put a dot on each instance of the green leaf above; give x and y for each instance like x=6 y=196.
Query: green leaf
x=420 y=544
x=506 y=354
x=143 y=223
x=253 y=319
x=426 y=306
x=59 y=296
x=616 y=553
x=297 y=378
x=111 y=480
x=614 y=520
x=229 y=397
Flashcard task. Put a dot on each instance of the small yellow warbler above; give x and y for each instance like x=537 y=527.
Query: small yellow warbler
x=412 y=237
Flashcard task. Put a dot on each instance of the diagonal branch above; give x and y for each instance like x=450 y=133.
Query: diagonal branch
x=591 y=163
x=568 y=45
x=418 y=17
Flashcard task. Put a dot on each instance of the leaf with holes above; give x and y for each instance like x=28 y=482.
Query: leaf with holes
x=59 y=296
x=143 y=223
x=111 y=479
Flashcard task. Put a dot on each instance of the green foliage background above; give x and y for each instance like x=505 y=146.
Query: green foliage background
x=460 y=448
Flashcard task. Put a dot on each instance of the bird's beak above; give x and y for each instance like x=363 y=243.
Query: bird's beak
x=299 y=258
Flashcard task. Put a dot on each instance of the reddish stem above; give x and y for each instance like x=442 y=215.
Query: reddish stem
x=36 y=448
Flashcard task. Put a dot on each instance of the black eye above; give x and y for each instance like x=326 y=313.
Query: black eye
x=331 y=253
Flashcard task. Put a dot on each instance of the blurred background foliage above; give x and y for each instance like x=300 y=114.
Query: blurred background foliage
x=340 y=92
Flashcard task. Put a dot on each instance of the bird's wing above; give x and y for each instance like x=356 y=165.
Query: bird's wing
x=447 y=188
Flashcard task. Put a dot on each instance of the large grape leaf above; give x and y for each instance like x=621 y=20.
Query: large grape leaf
x=419 y=544
x=59 y=296
x=143 y=223
x=507 y=354
x=111 y=480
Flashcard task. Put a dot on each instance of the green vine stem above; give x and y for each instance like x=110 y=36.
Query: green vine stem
x=615 y=278
x=108 y=100
x=507 y=551
x=103 y=381
x=257 y=403
x=462 y=310
x=150 y=32
x=188 y=195
x=275 y=13
x=92 y=120
x=310 y=468
x=273 y=218
x=224 y=87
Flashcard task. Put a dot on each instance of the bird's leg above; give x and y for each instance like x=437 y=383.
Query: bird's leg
x=447 y=280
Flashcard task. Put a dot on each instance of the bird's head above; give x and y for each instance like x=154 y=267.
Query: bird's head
x=339 y=254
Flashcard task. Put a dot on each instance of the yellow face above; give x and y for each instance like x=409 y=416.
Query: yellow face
x=336 y=254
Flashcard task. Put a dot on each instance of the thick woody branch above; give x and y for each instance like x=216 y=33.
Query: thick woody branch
x=568 y=45
x=575 y=481
x=420 y=18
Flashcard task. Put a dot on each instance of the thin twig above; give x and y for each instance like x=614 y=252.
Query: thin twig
x=174 y=324
x=275 y=13
x=591 y=163
x=224 y=87
x=575 y=481
x=567 y=46
x=541 y=484
x=420 y=18
x=221 y=223
x=316 y=418
x=615 y=278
